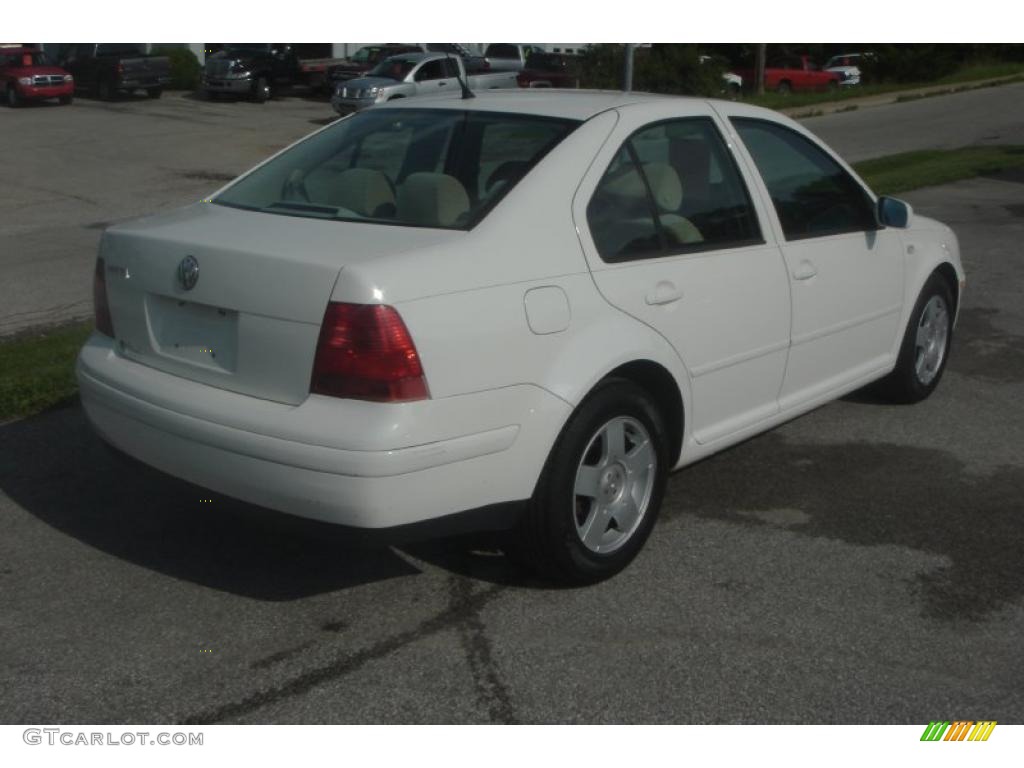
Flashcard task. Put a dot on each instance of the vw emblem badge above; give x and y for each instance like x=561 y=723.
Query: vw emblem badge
x=188 y=273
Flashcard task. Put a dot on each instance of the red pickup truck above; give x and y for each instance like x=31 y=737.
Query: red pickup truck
x=27 y=75
x=549 y=70
x=793 y=73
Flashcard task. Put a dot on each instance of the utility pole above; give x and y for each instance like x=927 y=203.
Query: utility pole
x=627 y=75
x=759 y=68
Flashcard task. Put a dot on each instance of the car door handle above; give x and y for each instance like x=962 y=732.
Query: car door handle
x=443 y=82
x=663 y=293
x=804 y=271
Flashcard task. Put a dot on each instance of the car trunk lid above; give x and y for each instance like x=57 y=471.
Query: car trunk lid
x=235 y=298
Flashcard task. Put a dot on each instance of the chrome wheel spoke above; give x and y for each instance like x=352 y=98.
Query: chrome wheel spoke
x=588 y=480
x=615 y=439
x=626 y=514
x=595 y=527
x=640 y=459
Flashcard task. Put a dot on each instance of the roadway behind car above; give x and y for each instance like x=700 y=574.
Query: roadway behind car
x=81 y=167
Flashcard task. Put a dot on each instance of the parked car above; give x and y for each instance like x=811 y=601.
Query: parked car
x=250 y=70
x=793 y=73
x=365 y=59
x=550 y=70
x=847 y=66
x=413 y=74
x=509 y=56
x=107 y=69
x=525 y=308
x=26 y=74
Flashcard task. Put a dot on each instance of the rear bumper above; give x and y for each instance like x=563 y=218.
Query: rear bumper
x=135 y=83
x=237 y=85
x=364 y=465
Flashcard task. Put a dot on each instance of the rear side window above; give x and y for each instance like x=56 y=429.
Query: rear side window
x=813 y=195
x=414 y=167
x=672 y=188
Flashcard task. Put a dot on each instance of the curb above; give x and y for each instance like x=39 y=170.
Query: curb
x=892 y=97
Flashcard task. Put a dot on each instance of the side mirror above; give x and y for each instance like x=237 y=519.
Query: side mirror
x=894 y=213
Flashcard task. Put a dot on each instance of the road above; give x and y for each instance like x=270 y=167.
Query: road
x=984 y=116
x=77 y=169
x=859 y=565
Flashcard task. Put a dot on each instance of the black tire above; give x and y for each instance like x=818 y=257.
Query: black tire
x=13 y=100
x=906 y=384
x=154 y=93
x=784 y=88
x=65 y=100
x=549 y=540
x=261 y=91
x=832 y=86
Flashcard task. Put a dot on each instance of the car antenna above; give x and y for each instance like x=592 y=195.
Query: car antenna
x=466 y=93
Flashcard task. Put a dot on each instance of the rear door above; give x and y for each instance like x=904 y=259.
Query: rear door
x=674 y=238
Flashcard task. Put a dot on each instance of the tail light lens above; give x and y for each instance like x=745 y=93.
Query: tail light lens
x=365 y=352
x=100 y=305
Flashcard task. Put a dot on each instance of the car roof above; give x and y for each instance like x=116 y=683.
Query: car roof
x=573 y=104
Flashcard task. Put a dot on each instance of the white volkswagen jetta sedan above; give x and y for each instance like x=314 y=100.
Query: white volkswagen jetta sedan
x=520 y=310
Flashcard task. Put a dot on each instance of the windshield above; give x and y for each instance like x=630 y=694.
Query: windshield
x=25 y=59
x=395 y=69
x=412 y=167
x=365 y=55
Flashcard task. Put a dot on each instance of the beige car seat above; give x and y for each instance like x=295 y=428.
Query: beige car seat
x=432 y=200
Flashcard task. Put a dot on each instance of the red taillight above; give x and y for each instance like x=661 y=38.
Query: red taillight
x=100 y=305
x=365 y=352
x=523 y=80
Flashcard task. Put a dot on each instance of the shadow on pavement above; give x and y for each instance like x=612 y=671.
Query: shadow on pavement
x=53 y=466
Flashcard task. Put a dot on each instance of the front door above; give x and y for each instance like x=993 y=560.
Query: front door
x=845 y=271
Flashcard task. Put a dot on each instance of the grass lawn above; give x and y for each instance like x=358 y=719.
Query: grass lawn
x=37 y=370
x=927 y=168
x=981 y=71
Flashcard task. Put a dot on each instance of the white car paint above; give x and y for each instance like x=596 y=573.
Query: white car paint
x=516 y=321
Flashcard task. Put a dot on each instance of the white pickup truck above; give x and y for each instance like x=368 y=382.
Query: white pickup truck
x=413 y=74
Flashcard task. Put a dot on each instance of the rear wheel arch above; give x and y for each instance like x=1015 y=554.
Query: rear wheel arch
x=663 y=389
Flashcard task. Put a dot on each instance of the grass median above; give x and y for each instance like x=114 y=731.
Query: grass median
x=37 y=368
x=928 y=168
x=966 y=78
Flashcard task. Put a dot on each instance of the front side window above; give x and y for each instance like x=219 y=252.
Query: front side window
x=393 y=68
x=413 y=167
x=432 y=70
x=672 y=188
x=813 y=195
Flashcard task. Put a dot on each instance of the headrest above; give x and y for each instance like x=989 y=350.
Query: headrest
x=665 y=186
x=432 y=200
x=363 y=190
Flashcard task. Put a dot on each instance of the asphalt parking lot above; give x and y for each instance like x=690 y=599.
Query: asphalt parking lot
x=858 y=565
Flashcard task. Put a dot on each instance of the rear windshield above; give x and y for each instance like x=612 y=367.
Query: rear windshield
x=413 y=167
